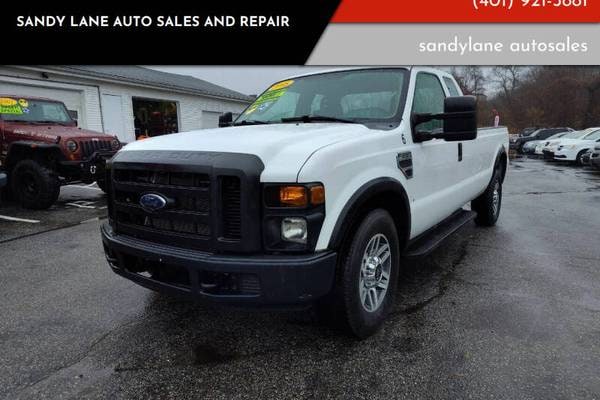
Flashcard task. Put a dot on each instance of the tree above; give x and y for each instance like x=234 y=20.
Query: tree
x=471 y=79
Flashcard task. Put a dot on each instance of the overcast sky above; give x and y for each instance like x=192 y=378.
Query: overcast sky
x=247 y=80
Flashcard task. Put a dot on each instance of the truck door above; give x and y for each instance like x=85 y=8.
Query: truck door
x=436 y=162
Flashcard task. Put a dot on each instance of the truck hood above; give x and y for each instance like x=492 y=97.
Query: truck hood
x=52 y=131
x=283 y=148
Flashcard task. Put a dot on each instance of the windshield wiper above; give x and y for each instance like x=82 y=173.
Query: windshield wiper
x=251 y=122
x=317 y=118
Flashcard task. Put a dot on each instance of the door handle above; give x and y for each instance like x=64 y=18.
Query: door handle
x=460 y=152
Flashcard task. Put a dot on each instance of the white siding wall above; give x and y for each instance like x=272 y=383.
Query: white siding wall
x=191 y=108
x=210 y=119
x=89 y=118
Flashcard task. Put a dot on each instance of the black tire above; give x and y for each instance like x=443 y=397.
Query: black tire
x=33 y=185
x=578 y=158
x=345 y=306
x=489 y=203
x=102 y=185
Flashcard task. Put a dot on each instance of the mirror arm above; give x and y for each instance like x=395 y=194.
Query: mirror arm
x=417 y=119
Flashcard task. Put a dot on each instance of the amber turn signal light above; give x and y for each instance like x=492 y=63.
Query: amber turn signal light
x=294 y=196
x=317 y=195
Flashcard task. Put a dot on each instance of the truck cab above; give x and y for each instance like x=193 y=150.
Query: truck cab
x=42 y=148
x=312 y=196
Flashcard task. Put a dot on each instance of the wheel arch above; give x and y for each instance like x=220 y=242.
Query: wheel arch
x=502 y=162
x=41 y=152
x=386 y=193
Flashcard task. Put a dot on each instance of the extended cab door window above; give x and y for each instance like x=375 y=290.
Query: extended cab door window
x=429 y=99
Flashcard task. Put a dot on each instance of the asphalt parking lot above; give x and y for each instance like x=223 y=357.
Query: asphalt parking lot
x=510 y=312
x=76 y=204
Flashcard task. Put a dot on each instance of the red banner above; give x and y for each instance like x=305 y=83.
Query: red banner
x=467 y=11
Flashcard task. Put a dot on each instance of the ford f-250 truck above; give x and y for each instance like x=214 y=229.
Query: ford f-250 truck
x=42 y=148
x=313 y=195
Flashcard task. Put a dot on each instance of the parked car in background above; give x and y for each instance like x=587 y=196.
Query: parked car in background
x=531 y=146
x=595 y=158
x=541 y=134
x=573 y=149
x=551 y=146
x=528 y=131
x=42 y=148
x=542 y=143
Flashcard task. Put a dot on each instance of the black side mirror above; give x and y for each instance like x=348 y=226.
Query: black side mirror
x=225 y=120
x=460 y=120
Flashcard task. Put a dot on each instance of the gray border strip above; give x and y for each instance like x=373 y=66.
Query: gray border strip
x=399 y=44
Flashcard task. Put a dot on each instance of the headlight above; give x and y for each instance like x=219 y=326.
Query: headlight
x=72 y=146
x=115 y=144
x=294 y=230
x=292 y=216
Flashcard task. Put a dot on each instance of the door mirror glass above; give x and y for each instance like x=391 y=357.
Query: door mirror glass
x=460 y=122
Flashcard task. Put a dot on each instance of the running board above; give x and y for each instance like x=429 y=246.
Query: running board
x=431 y=239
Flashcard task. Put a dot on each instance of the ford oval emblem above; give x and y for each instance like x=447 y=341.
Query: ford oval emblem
x=153 y=202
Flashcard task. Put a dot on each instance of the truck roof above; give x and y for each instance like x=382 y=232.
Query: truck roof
x=341 y=69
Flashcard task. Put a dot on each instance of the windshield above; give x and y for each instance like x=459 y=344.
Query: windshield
x=576 y=134
x=558 y=135
x=593 y=136
x=361 y=96
x=29 y=110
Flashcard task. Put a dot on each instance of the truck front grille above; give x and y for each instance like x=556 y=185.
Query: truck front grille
x=205 y=201
x=232 y=202
x=89 y=147
x=189 y=219
x=186 y=220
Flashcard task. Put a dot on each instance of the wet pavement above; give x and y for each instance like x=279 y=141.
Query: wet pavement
x=510 y=312
x=76 y=204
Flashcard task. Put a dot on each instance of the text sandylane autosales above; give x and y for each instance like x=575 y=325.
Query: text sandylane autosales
x=471 y=45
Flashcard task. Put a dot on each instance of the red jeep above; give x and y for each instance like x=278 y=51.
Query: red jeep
x=41 y=148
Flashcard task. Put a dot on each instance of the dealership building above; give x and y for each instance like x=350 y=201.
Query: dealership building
x=128 y=101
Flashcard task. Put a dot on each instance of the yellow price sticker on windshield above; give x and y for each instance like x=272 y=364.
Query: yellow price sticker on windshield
x=282 y=85
x=270 y=96
x=7 y=102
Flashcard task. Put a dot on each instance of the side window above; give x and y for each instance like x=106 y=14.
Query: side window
x=545 y=134
x=73 y=114
x=451 y=86
x=429 y=99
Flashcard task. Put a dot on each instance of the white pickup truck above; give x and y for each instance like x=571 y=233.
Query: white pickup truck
x=312 y=196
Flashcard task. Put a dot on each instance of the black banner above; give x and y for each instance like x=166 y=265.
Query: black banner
x=210 y=32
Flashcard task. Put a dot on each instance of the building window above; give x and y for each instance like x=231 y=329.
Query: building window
x=154 y=117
